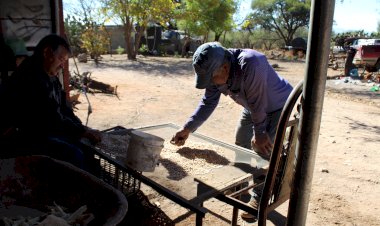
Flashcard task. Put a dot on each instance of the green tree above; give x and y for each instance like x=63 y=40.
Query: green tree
x=86 y=30
x=220 y=18
x=186 y=16
x=134 y=15
x=95 y=40
x=284 y=17
x=74 y=29
x=258 y=39
x=202 y=16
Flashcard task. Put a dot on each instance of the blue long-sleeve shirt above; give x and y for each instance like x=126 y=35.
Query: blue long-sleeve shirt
x=252 y=83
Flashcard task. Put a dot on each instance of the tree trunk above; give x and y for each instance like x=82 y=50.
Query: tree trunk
x=139 y=34
x=186 y=47
x=205 y=38
x=217 y=37
x=128 y=27
x=224 y=35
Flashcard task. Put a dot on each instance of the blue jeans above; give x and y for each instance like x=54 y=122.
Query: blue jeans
x=244 y=130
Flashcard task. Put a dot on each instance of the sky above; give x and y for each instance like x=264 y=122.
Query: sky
x=351 y=15
x=357 y=15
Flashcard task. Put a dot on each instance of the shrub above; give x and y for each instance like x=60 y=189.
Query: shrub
x=143 y=49
x=120 y=50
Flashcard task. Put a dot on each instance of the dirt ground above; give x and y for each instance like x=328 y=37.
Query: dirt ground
x=156 y=90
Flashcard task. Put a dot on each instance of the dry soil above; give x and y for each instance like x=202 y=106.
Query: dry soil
x=155 y=90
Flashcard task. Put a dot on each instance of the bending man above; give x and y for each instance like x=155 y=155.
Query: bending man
x=246 y=76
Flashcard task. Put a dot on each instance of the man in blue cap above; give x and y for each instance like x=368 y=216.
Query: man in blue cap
x=246 y=76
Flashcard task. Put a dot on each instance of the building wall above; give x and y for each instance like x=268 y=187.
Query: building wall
x=116 y=36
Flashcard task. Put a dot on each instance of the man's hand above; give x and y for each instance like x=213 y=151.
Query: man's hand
x=93 y=135
x=180 y=137
x=262 y=144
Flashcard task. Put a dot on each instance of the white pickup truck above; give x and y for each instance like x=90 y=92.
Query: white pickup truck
x=364 y=41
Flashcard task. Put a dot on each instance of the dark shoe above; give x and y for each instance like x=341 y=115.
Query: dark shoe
x=247 y=216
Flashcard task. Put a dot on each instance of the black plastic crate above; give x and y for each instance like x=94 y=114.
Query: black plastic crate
x=106 y=167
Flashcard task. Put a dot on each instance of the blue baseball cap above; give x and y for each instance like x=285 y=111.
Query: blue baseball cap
x=207 y=58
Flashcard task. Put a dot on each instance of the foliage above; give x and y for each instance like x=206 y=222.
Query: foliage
x=186 y=18
x=258 y=39
x=238 y=39
x=85 y=32
x=302 y=32
x=284 y=17
x=95 y=40
x=143 y=49
x=137 y=12
x=199 y=17
x=74 y=28
x=120 y=50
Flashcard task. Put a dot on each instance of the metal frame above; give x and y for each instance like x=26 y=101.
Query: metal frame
x=119 y=168
x=277 y=153
x=121 y=173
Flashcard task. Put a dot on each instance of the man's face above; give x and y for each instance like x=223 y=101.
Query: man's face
x=54 y=60
x=220 y=76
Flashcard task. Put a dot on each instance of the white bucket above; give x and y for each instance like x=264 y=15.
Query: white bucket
x=144 y=151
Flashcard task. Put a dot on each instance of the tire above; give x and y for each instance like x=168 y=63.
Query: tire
x=374 y=68
x=370 y=69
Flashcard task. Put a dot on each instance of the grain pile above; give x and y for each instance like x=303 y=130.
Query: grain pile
x=194 y=158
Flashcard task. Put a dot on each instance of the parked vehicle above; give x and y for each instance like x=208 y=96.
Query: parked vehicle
x=173 y=40
x=368 y=56
x=364 y=41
